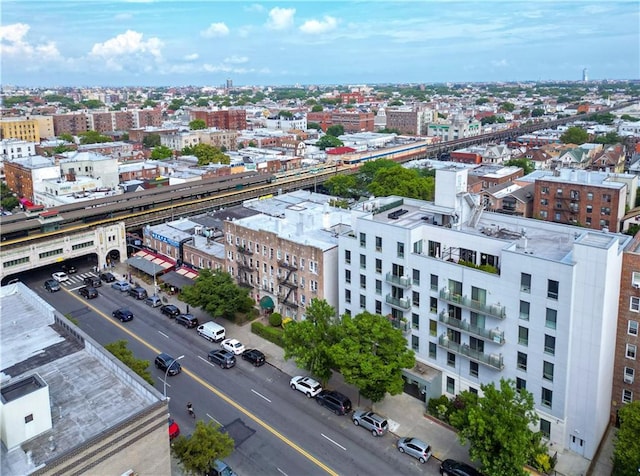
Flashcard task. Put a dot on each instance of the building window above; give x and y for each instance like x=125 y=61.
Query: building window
x=545 y=428
x=523 y=335
x=433 y=327
x=347 y=276
x=547 y=371
x=629 y=374
x=451 y=359
x=589 y=208
x=433 y=305
x=632 y=328
x=433 y=349
x=589 y=195
x=379 y=307
x=546 y=397
x=28 y=418
x=415 y=343
x=524 y=310
x=415 y=298
x=635 y=304
x=378 y=243
x=549 y=345
x=400 y=249
x=627 y=396
x=544 y=190
x=543 y=214
x=416 y=277
x=473 y=368
x=378 y=265
x=525 y=282
x=378 y=286
x=347 y=256
x=551 y=318
x=606 y=198
x=552 y=289
x=451 y=385
x=363 y=240
x=415 y=321
x=347 y=295
x=631 y=352
x=522 y=361
x=521 y=384
x=363 y=281
x=635 y=279
x=363 y=301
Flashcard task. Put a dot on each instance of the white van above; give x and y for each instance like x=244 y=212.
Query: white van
x=211 y=331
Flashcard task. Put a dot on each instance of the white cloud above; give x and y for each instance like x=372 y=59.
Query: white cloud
x=255 y=7
x=244 y=31
x=314 y=27
x=500 y=63
x=14 y=44
x=215 y=30
x=236 y=59
x=192 y=57
x=280 y=18
x=128 y=51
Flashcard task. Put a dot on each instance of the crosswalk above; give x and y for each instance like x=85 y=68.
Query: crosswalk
x=76 y=280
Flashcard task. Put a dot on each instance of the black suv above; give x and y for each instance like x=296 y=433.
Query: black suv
x=223 y=358
x=451 y=467
x=334 y=401
x=138 y=292
x=92 y=281
x=68 y=268
x=164 y=361
x=187 y=320
x=123 y=314
x=88 y=292
x=107 y=277
x=170 y=310
x=254 y=356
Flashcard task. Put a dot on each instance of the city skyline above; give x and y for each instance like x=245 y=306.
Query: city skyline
x=157 y=42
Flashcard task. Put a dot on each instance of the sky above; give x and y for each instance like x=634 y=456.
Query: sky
x=204 y=43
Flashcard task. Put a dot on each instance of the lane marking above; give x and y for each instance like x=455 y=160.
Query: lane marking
x=282 y=472
x=260 y=395
x=163 y=334
x=210 y=417
x=334 y=442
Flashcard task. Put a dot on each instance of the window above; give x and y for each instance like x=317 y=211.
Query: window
x=549 y=345
x=629 y=374
x=547 y=371
x=347 y=256
x=363 y=281
x=415 y=298
x=635 y=279
x=434 y=282
x=416 y=277
x=574 y=194
x=544 y=202
x=433 y=305
x=378 y=307
x=543 y=214
x=632 y=328
x=524 y=310
x=544 y=190
x=400 y=249
x=546 y=397
x=363 y=301
x=589 y=195
x=434 y=249
x=451 y=359
x=433 y=327
x=523 y=336
x=551 y=318
x=635 y=304
x=545 y=428
x=363 y=240
x=631 y=352
x=347 y=276
x=552 y=289
x=378 y=286
x=521 y=384
x=589 y=208
x=606 y=197
x=433 y=349
x=363 y=261
x=522 y=361
x=451 y=385
x=378 y=265
x=525 y=282
x=415 y=343
x=627 y=396
x=378 y=243
x=605 y=211
x=28 y=418
x=415 y=321
x=347 y=295
x=473 y=368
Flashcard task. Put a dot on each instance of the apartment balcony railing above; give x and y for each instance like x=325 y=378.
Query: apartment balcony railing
x=495 y=310
x=403 y=281
x=401 y=323
x=243 y=265
x=287 y=265
x=494 y=335
x=244 y=250
x=401 y=303
x=495 y=361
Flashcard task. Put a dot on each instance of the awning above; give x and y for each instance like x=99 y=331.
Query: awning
x=146 y=266
x=173 y=278
x=266 y=303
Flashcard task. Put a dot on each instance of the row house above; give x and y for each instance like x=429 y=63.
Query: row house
x=611 y=159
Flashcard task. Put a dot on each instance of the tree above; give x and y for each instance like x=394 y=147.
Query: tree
x=125 y=136
x=342 y=186
x=9 y=202
x=525 y=164
x=149 y=103
x=93 y=137
x=161 y=152
x=120 y=350
x=609 y=138
x=507 y=106
x=328 y=141
x=626 y=452
x=574 y=135
x=218 y=295
x=197 y=124
x=403 y=182
x=481 y=101
x=151 y=140
x=371 y=354
x=287 y=114
x=207 y=154
x=176 y=104
x=198 y=452
x=317 y=108
x=309 y=341
x=368 y=170
x=92 y=103
x=314 y=125
x=335 y=130
x=497 y=429
x=537 y=112
x=65 y=136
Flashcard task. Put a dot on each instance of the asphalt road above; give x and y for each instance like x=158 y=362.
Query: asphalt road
x=277 y=431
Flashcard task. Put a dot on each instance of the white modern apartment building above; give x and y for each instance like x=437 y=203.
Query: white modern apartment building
x=484 y=296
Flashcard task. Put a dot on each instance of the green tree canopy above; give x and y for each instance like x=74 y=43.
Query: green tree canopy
x=335 y=130
x=202 y=102
x=218 y=294
x=537 y=112
x=328 y=141
x=149 y=103
x=93 y=137
x=403 y=182
x=627 y=117
x=119 y=106
x=317 y=108
x=161 y=152
x=626 y=453
x=140 y=366
x=507 y=106
x=368 y=170
x=371 y=354
x=481 y=101
x=608 y=139
x=197 y=124
x=92 y=103
x=287 y=114
x=309 y=341
x=198 y=452
x=65 y=136
x=525 y=164
x=207 y=154
x=574 y=135
x=151 y=140
x=388 y=130
x=314 y=125
x=497 y=429
x=176 y=104
x=345 y=186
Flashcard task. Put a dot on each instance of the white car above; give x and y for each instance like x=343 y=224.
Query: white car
x=306 y=385
x=60 y=277
x=233 y=345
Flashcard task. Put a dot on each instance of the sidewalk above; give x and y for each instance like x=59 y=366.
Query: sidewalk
x=406 y=414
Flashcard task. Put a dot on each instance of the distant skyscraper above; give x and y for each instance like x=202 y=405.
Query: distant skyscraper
x=585 y=75
x=229 y=83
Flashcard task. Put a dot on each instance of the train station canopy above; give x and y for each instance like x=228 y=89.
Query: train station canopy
x=150 y=263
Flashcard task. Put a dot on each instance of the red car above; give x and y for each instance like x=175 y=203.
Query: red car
x=174 y=429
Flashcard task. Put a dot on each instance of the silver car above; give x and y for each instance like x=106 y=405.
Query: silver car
x=371 y=421
x=415 y=447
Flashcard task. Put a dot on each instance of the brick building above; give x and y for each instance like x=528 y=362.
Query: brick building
x=74 y=123
x=351 y=121
x=233 y=119
x=409 y=120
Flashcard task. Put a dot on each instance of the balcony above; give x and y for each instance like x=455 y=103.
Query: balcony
x=286 y=282
x=400 y=303
x=401 y=323
x=243 y=265
x=494 y=361
x=287 y=265
x=244 y=250
x=402 y=281
x=495 y=310
x=494 y=335
x=242 y=283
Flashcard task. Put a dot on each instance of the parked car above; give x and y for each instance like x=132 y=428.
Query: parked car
x=68 y=268
x=165 y=361
x=52 y=285
x=121 y=286
x=254 y=356
x=187 y=320
x=174 y=429
x=92 y=281
x=60 y=277
x=233 y=345
x=107 y=277
x=138 y=292
x=306 y=385
x=153 y=301
x=88 y=292
x=123 y=314
x=373 y=422
x=450 y=467
x=223 y=358
x=414 y=447
x=220 y=468
x=170 y=310
x=337 y=402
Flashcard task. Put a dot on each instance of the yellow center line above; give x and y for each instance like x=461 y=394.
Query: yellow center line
x=212 y=389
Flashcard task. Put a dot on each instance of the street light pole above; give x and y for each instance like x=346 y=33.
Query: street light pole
x=166 y=372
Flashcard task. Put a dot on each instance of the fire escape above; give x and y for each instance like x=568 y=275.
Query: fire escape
x=244 y=267
x=287 y=279
x=566 y=208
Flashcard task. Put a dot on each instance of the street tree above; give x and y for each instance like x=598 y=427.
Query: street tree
x=121 y=352
x=93 y=137
x=176 y=104
x=197 y=124
x=345 y=186
x=403 y=182
x=314 y=125
x=537 y=112
x=151 y=140
x=197 y=452
x=368 y=170
x=574 y=135
x=309 y=342
x=218 y=294
x=335 y=130
x=287 y=114
x=626 y=452
x=497 y=429
x=161 y=152
x=92 y=103
x=149 y=103
x=370 y=354
x=525 y=164
x=207 y=154
x=316 y=108
x=328 y=141
x=65 y=136
x=609 y=138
